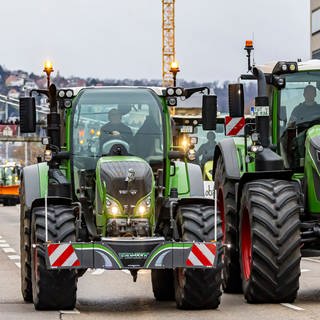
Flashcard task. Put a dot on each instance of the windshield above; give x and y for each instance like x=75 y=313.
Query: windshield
x=207 y=141
x=299 y=109
x=300 y=100
x=128 y=118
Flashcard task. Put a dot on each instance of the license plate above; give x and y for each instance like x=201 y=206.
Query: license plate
x=186 y=129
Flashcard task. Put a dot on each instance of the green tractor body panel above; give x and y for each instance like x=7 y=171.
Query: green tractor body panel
x=312 y=170
x=43 y=178
x=180 y=179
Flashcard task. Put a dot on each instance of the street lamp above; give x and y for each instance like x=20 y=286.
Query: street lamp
x=174 y=69
x=48 y=68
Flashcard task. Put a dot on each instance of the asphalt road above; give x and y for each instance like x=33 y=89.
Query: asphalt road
x=113 y=295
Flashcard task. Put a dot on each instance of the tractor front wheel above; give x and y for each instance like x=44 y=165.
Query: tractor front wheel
x=198 y=288
x=52 y=289
x=270 y=241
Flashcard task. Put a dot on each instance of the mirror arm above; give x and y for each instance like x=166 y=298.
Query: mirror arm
x=39 y=91
x=189 y=92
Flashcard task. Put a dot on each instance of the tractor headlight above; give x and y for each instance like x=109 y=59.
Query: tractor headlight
x=143 y=207
x=113 y=207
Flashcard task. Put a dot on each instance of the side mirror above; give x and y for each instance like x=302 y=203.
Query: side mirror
x=209 y=112
x=236 y=100
x=27 y=111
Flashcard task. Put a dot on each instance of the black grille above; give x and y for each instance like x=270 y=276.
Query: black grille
x=114 y=173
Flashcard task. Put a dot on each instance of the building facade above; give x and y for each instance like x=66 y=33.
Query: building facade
x=315 y=28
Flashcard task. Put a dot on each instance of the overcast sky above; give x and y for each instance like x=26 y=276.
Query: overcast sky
x=122 y=38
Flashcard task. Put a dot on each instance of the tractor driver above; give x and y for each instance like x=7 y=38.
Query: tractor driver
x=206 y=150
x=115 y=129
x=308 y=109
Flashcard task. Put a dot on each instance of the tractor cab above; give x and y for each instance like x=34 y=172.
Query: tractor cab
x=9 y=183
x=118 y=142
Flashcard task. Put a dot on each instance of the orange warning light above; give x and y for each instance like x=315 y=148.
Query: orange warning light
x=249 y=43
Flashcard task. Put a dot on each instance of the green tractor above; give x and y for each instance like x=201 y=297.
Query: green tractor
x=268 y=182
x=112 y=192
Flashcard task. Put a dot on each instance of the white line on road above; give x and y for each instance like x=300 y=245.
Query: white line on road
x=74 y=311
x=97 y=272
x=305 y=270
x=291 y=306
x=14 y=257
x=125 y=271
x=4 y=245
x=18 y=264
x=8 y=250
x=312 y=260
x=3 y=241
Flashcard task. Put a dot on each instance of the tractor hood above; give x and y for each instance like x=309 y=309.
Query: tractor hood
x=127 y=179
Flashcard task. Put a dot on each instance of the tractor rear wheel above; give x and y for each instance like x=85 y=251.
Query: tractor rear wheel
x=162 y=284
x=198 y=288
x=231 y=274
x=52 y=289
x=25 y=252
x=270 y=241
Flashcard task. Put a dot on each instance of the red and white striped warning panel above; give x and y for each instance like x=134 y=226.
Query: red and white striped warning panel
x=62 y=255
x=234 y=126
x=202 y=254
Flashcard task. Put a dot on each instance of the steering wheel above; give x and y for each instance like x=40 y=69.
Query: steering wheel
x=115 y=147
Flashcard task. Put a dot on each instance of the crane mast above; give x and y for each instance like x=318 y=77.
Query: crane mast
x=168 y=40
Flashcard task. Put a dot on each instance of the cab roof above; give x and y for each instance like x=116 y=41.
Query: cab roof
x=307 y=65
x=158 y=90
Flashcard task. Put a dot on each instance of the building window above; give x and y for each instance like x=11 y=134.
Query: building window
x=316 y=54
x=315 y=21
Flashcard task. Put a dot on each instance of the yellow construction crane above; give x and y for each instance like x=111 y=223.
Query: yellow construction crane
x=168 y=42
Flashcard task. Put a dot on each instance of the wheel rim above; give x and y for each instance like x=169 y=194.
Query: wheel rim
x=246 y=245
x=221 y=209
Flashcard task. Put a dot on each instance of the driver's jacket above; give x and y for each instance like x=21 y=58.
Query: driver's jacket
x=304 y=113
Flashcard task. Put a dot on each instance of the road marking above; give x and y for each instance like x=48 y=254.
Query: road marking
x=97 y=272
x=74 y=311
x=14 y=257
x=126 y=271
x=312 y=260
x=305 y=270
x=291 y=306
x=6 y=248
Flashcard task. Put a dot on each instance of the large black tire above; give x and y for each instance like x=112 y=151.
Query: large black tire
x=25 y=251
x=198 y=288
x=52 y=289
x=162 y=284
x=270 y=241
x=231 y=274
